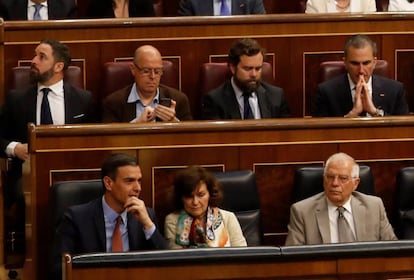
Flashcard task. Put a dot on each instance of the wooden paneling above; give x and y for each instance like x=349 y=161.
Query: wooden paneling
x=273 y=149
x=296 y=44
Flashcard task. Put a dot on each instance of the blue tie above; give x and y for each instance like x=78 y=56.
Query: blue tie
x=36 y=15
x=45 y=114
x=224 y=10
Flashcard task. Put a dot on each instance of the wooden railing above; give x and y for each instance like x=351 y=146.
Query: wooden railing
x=273 y=149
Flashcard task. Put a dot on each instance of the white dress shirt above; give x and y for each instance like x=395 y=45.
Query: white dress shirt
x=31 y=10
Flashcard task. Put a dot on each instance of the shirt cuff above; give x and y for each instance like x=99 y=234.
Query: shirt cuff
x=149 y=232
x=10 y=148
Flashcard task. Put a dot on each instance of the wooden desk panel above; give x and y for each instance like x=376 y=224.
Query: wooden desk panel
x=273 y=149
x=295 y=44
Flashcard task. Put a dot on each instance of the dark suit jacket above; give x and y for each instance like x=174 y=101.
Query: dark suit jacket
x=116 y=108
x=82 y=230
x=221 y=103
x=57 y=9
x=205 y=7
x=104 y=9
x=309 y=220
x=334 y=98
x=19 y=109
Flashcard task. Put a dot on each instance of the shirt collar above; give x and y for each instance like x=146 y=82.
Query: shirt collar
x=56 y=89
x=110 y=214
x=30 y=3
x=134 y=97
x=332 y=207
x=237 y=90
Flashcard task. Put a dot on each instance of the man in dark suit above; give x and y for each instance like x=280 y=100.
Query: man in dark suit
x=146 y=100
x=48 y=9
x=90 y=227
x=359 y=92
x=339 y=214
x=118 y=221
x=67 y=105
x=245 y=95
x=214 y=8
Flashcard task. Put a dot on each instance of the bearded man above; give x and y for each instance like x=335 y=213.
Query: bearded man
x=245 y=95
x=49 y=100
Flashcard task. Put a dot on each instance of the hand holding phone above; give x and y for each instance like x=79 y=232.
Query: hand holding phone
x=165 y=102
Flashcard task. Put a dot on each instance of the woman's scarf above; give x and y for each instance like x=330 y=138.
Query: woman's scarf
x=191 y=234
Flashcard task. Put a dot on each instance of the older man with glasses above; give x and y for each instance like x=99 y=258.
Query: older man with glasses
x=339 y=214
x=146 y=100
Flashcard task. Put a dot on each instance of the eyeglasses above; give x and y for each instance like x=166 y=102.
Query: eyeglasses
x=148 y=71
x=344 y=179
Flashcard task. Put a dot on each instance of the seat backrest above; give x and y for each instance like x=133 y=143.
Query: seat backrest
x=21 y=77
x=213 y=74
x=405 y=203
x=308 y=181
x=331 y=69
x=116 y=75
x=241 y=197
x=67 y=193
x=61 y=196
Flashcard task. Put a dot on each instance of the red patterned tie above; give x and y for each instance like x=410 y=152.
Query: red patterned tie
x=116 y=236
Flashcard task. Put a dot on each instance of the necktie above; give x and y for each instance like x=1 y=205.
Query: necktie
x=344 y=230
x=45 y=115
x=36 y=15
x=116 y=236
x=247 y=110
x=224 y=9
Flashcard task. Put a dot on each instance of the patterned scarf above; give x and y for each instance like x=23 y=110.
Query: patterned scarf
x=191 y=234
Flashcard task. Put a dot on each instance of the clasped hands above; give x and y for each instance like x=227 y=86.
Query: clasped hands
x=362 y=100
x=166 y=114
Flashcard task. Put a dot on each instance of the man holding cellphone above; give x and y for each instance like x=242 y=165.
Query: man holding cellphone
x=146 y=100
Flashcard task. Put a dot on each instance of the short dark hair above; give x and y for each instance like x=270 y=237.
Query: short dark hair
x=244 y=46
x=188 y=179
x=113 y=162
x=359 y=41
x=61 y=52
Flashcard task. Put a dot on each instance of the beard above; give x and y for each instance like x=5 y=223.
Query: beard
x=37 y=77
x=249 y=85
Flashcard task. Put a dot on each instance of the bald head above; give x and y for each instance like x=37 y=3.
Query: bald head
x=147 y=52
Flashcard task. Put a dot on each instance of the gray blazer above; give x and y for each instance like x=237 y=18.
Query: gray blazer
x=309 y=220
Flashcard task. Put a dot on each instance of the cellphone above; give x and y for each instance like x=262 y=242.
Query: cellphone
x=165 y=102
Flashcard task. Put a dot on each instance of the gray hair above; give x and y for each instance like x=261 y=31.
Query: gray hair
x=343 y=157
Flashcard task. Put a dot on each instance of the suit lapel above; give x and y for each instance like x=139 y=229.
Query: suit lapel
x=358 y=214
x=264 y=104
x=322 y=219
x=376 y=91
x=205 y=7
x=100 y=225
x=239 y=7
x=31 y=103
x=133 y=232
x=231 y=101
x=345 y=94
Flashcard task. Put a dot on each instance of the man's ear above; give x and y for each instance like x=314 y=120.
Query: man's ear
x=356 y=183
x=58 y=67
x=108 y=183
x=232 y=68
